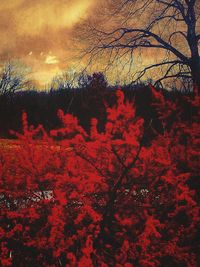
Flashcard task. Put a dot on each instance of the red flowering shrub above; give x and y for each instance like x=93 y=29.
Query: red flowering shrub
x=71 y=198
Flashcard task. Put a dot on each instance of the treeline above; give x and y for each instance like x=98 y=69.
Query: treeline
x=87 y=101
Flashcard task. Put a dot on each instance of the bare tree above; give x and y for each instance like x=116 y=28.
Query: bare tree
x=69 y=79
x=13 y=78
x=164 y=34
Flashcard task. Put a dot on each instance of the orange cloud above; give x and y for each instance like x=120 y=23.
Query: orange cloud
x=39 y=33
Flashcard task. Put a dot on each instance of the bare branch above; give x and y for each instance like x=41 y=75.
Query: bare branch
x=144 y=42
x=143 y=72
x=167 y=25
x=180 y=75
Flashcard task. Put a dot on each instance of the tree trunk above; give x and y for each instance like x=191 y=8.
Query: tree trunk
x=195 y=71
x=193 y=44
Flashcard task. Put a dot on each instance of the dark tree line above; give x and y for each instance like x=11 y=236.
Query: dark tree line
x=86 y=102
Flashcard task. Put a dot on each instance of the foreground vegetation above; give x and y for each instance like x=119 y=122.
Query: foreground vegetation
x=123 y=196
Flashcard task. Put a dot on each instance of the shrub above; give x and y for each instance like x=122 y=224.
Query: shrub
x=71 y=198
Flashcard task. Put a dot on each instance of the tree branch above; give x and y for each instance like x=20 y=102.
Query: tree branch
x=144 y=34
x=143 y=72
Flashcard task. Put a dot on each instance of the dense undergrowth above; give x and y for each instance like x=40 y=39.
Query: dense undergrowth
x=124 y=195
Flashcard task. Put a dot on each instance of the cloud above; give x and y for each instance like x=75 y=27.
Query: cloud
x=41 y=33
x=30 y=29
x=35 y=16
x=51 y=60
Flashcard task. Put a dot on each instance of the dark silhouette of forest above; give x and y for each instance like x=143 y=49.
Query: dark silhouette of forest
x=87 y=101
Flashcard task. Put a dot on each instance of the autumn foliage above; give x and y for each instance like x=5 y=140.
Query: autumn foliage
x=109 y=198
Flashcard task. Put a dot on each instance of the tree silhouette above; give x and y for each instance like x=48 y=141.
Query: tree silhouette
x=166 y=29
x=13 y=77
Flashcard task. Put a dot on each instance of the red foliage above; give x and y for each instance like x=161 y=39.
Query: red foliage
x=70 y=198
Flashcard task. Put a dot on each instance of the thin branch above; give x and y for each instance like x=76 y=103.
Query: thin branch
x=144 y=34
x=143 y=72
x=91 y=162
x=182 y=75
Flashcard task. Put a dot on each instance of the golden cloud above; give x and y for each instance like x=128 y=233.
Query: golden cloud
x=39 y=33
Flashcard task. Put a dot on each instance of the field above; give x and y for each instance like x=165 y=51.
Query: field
x=9 y=144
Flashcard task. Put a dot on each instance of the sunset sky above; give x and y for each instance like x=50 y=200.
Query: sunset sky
x=47 y=35
x=39 y=33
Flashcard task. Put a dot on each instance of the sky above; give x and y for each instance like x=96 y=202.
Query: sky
x=39 y=33
x=42 y=34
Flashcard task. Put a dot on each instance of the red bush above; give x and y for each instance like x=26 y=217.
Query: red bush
x=70 y=198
